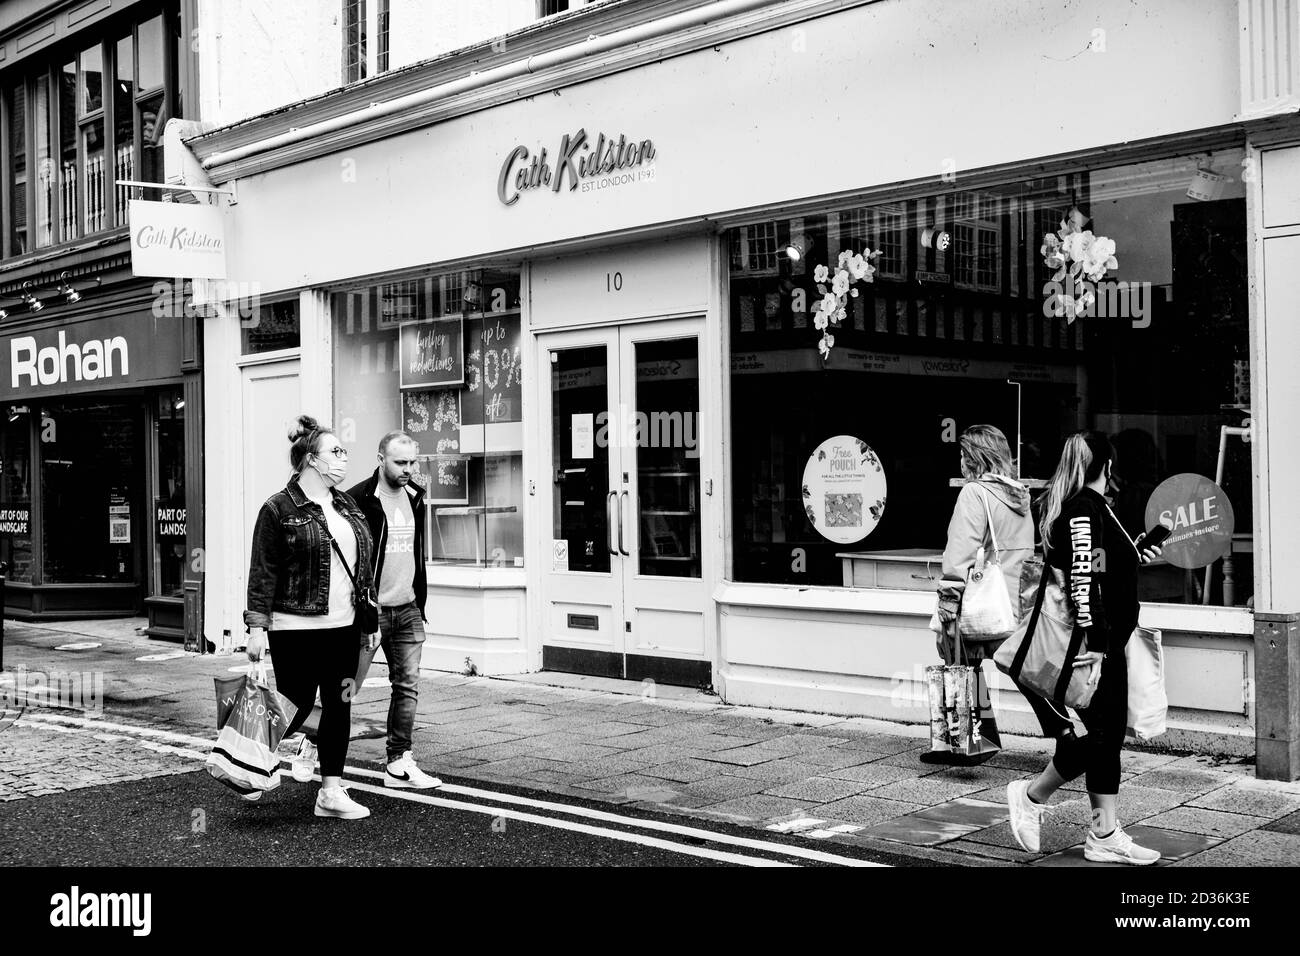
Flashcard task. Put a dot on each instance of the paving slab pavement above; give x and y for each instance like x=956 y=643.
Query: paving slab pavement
x=828 y=779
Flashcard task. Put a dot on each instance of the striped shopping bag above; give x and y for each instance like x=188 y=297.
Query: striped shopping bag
x=251 y=720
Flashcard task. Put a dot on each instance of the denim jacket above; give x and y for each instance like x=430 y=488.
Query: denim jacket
x=290 y=565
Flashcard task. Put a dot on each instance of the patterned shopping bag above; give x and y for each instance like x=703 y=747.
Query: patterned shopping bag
x=251 y=721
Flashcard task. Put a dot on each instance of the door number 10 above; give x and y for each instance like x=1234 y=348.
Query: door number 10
x=613 y=282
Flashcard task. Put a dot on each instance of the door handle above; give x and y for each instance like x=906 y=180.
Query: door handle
x=609 y=522
x=621 y=548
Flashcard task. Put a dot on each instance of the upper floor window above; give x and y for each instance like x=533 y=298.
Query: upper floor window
x=548 y=8
x=77 y=122
x=362 y=57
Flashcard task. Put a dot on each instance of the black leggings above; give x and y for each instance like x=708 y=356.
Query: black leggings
x=1106 y=718
x=307 y=660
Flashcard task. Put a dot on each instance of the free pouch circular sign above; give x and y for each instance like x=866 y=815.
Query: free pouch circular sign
x=1198 y=514
x=844 y=489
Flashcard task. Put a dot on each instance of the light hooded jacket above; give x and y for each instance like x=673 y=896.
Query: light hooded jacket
x=968 y=531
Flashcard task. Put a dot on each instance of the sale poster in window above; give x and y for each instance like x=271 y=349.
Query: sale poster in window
x=493 y=370
x=433 y=420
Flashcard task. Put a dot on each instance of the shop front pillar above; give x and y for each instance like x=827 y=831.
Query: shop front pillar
x=1277 y=700
x=1275 y=413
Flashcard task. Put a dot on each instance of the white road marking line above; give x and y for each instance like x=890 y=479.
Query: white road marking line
x=674 y=828
x=671 y=828
x=620 y=835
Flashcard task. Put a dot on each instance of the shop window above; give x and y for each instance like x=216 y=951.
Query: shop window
x=92 y=490
x=16 y=492
x=271 y=326
x=1160 y=364
x=461 y=403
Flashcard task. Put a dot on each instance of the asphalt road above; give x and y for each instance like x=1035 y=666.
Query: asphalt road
x=189 y=820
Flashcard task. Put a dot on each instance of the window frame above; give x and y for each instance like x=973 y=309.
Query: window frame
x=51 y=66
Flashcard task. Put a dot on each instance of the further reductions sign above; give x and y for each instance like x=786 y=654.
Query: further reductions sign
x=1198 y=514
x=844 y=489
x=432 y=353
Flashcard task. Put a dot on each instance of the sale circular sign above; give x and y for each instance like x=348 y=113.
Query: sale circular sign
x=1199 y=517
x=844 y=489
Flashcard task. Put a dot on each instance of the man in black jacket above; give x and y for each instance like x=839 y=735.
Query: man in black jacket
x=394 y=510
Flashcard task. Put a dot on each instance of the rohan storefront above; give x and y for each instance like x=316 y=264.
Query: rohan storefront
x=93 y=495
x=600 y=312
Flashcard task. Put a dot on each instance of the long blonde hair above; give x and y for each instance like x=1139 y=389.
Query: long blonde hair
x=984 y=451
x=1082 y=459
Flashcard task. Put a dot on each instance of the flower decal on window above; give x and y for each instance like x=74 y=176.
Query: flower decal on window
x=835 y=289
x=1081 y=260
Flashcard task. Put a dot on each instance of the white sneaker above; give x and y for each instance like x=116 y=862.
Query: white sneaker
x=403 y=772
x=304 y=762
x=335 y=802
x=1118 y=848
x=1026 y=816
x=251 y=796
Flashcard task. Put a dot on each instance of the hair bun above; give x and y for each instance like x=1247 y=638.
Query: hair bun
x=306 y=425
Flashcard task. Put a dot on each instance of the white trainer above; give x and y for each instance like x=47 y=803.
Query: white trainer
x=1118 y=848
x=335 y=802
x=403 y=773
x=1026 y=816
x=304 y=762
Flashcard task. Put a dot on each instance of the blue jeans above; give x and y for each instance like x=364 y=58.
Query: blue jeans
x=401 y=631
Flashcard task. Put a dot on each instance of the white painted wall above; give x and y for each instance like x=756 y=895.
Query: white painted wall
x=876 y=94
x=258 y=55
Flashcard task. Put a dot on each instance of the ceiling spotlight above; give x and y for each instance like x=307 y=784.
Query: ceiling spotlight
x=16 y=410
x=179 y=403
x=33 y=304
x=69 y=294
x=3 y=315
x=795 y=251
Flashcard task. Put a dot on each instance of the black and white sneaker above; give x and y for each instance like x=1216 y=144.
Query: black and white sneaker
x=403 y=773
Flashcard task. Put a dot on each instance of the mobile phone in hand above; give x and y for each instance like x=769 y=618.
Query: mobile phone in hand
x=1153 y=538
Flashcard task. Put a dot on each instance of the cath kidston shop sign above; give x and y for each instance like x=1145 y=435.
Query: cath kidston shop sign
x=177 y=240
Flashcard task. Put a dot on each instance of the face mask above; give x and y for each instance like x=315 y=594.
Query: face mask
x=332 y=473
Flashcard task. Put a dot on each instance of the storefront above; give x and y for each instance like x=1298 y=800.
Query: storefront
x=93 y=502
x=596 y=312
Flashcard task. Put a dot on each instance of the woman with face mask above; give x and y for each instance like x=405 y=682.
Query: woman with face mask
x=310 y=542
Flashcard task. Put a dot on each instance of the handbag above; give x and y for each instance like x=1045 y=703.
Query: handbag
x=365 y=600
x=986 y=613
x=1148 y=703
x=251 y=721
x=1041 y=651
x=954 y=699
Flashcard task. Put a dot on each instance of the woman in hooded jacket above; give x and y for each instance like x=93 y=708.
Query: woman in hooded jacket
x=990 y=494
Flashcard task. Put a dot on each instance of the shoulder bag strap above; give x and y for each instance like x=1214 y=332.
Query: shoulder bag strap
x=338 y=551
x=988 y=514
x=1022 y=651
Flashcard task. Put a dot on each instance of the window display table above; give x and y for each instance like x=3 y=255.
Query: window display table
x=911 y=569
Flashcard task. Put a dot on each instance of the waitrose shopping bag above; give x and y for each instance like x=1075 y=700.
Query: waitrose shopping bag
x=251 y=720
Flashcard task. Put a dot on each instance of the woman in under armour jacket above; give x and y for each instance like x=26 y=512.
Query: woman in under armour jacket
x=1083 y=538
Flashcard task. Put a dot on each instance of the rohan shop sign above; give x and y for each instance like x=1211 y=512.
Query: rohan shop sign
x=120 y=351
x=580 y=162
